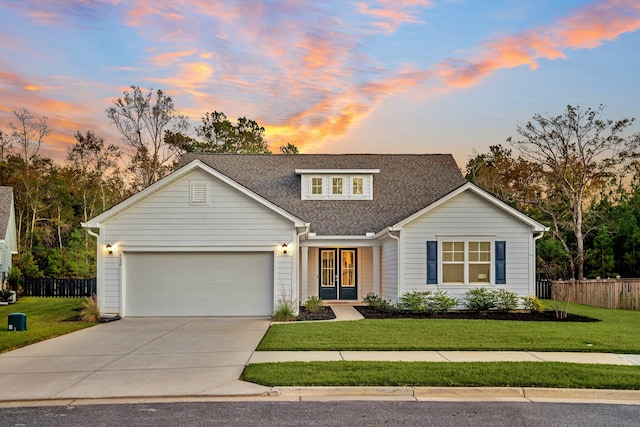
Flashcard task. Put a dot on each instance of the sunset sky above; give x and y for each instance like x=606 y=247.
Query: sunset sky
x=386 y=76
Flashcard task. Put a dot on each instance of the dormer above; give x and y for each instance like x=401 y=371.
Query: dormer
x=336 y=184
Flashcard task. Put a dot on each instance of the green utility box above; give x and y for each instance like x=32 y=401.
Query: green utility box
x=17 y=322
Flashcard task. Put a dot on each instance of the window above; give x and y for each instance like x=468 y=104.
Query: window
x=466 y=262
x=479 y=262
x=316 y=185
x=336 y=186
x=357 y=186
x=453 y=262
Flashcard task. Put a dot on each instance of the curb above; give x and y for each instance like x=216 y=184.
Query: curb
x=415 y=394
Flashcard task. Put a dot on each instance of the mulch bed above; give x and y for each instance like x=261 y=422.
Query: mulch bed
x=545 y=316
x=325 y=313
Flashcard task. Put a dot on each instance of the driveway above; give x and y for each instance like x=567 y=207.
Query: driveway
x=136 y=357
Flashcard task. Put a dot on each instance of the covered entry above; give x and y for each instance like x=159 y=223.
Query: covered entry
x=338 y=274
x=198 y=284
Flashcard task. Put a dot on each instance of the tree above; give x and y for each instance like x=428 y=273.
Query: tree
x=142 y=119
x=289 y=149
x=577 y=151
x=222 y=136
x=28 y=133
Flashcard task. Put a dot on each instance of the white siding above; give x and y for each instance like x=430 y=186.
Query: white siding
x=389 y=275
x=467 y=217
x=167 y=221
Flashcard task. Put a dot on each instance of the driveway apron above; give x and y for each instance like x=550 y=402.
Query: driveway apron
x=137 y=357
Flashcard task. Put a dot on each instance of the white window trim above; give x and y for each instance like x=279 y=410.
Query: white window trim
x=311 y=193
x=347 y=187
x=466 y=240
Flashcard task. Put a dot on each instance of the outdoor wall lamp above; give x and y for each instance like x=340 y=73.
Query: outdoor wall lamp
x=284 y=249
x=109 y=249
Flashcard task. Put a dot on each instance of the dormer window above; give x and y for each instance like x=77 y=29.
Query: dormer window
x=316 y=185
x=336 y=184
x=357 y=186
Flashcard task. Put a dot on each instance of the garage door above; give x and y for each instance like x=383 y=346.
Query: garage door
x=199 y=284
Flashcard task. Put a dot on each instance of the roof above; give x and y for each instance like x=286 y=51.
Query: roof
x=159 y=185
x=6 y=204
x=406 y=184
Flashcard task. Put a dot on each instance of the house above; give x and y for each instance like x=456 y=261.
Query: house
x=8 y=236
x=233 y=234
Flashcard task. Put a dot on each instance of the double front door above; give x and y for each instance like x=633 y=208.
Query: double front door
x=338 y=274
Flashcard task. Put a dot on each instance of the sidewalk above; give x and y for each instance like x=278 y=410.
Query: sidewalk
x=444 y=356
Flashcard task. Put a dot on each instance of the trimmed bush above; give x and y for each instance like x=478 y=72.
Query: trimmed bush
x=441 y=303
x=532 y=303
x=415 y=301
x=378 y=303
x=505 y=300
x=479 y=299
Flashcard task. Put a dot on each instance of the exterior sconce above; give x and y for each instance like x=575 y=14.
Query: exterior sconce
x=284 y=249
x=109 y=249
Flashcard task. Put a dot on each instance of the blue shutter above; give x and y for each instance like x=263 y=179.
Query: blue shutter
x=501 y=262
x=432 y=262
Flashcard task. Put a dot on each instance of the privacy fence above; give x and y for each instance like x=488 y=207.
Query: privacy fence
x=51 y=287
x=607 y=293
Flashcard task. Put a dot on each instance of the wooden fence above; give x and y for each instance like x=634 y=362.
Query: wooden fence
x=607 y=293
x=51 y=287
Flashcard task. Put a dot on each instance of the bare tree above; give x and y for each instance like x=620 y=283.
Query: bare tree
x=28 y=133
x=577 y=150
x=142 y=119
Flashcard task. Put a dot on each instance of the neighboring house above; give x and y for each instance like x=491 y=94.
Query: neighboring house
x=230 y=234
x=8 y=237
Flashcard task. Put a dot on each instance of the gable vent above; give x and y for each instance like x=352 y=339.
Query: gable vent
x=199 y=193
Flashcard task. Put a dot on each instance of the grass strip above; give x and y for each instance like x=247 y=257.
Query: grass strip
x=617 y=332
x=45 y=319
x=445 y=374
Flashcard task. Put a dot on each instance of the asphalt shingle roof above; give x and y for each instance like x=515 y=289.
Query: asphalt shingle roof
x=406 y=184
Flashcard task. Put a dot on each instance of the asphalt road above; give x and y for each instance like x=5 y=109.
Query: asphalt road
x=360 y=414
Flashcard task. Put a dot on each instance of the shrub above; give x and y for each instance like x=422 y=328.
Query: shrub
x=314 y=304
x=414 y=301
x=441 y=303
x=505 y=300
x=532 y=303
x=479 y=299
x=284 y=312
x=378 y=303
x=90 y=311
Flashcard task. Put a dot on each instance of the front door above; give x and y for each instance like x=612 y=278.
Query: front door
x=338 y=274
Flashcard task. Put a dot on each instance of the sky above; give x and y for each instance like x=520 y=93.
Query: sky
x=385 y=76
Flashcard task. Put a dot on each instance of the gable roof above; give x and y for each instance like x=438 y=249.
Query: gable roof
x=406 y=184
x=535 y=225
x=153 y=188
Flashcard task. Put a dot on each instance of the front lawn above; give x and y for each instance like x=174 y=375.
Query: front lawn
x=617 y=332
x=45 y=319
x=445 y=374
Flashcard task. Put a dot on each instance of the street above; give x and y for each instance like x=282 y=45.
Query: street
x=354 y=413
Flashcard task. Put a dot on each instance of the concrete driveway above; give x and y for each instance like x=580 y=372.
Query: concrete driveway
x=136 y=357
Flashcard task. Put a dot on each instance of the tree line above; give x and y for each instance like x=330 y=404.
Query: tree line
x=53 y=198
x=576 y=172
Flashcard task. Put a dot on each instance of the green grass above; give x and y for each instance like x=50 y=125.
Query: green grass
x=44 y=320
x=445 y=374
x=617 y=332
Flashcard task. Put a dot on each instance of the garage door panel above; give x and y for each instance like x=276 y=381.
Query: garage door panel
x=199 y=284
